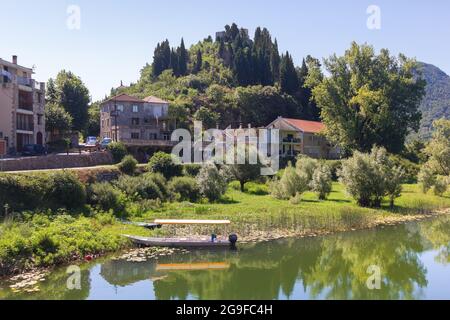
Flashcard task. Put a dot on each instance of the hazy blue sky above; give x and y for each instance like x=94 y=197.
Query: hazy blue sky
x=117 y=38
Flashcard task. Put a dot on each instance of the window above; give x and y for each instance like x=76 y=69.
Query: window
x=135 y=121
x=120 y=108
x=39 y=119
x=135 y=108
x=134 y=135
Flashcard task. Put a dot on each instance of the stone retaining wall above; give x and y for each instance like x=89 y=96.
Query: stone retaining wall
x=57 y=162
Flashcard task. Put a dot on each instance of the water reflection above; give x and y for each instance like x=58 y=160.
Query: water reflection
x=333 y=267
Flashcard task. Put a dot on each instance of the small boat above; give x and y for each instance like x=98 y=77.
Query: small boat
x=179 y=242
x=185 y=242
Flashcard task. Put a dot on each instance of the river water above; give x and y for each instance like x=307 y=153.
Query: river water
x=410 y=261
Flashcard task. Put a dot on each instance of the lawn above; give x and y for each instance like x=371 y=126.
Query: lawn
x=257 y=210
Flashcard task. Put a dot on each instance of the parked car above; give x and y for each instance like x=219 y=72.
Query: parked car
x=32 y=150
x=105 y=142
x=91 y=141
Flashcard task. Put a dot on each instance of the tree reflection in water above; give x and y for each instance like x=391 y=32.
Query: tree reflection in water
x=332 y=267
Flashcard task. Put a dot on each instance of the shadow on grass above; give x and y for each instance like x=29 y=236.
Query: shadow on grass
x=226 y=200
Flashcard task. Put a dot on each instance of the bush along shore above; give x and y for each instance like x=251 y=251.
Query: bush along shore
x=53 y=218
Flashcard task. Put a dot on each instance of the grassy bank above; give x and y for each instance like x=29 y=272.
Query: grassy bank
x=47 y=239
x=257 y=216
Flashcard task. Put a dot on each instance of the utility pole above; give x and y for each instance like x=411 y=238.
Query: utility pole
x=116 y=129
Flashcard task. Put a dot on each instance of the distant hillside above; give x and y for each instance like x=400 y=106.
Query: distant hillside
x=436 y=104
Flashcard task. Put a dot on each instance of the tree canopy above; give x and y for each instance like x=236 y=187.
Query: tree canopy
x=369 y=99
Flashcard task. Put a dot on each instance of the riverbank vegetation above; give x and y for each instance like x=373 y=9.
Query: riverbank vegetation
x=53 y=218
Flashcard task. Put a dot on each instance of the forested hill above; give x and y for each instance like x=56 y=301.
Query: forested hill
x=238 y=79
x=232 y=79
x=436 y=103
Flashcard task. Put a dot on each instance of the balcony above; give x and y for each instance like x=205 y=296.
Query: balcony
x=292 y=140
x=24 y=81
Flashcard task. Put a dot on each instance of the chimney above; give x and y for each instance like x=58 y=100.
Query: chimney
x=14 y=59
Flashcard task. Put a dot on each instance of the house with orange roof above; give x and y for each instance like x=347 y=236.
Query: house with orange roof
x=137 y=122
x=299 y=136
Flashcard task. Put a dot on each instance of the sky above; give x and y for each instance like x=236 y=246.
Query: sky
x=116 y=38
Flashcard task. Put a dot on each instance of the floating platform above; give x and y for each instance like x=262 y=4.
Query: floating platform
x=180 y=242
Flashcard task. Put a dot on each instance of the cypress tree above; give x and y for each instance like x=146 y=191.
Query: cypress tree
x=182 y=59
x=289 y=82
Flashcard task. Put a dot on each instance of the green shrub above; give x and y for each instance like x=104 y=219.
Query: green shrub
x=441 y=185
x=191 y=170
x=118 y=151
x=211 y=182
x=128 y=165
x=410 y=169
x=162 y=163
x=185 y=188
x=335 y=166
x=370 y=177
x=321 y=182
x=66 y=191
x=105 y=197
x=137 y=188
x=427 y=178
x=161 y=182
x=22 y=192
x=305 y=166
x=290 y=184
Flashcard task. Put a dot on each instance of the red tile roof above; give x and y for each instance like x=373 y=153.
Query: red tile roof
x=152 y=99
x=306 y=126
x=125 y=98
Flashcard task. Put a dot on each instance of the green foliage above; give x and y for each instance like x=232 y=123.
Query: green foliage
x=368 y=177
x=245 y=173
x=441 y=185
x=438 y=149
x=290 y=184
x=106 y=197
x=128 y=165
x=161 y=183
x=335 y=166
x=162 y=163
x=185 y=189
x=69 y=92
x=369 y=99
x=118 y=151
x=191 y=170
x=93 y=122
x=211 y=182
x=411 y=169
x=207 y=117
x=321 y=182
x=289 y=82
x=306 y=166
x=22 y=192
x=66 y=191
x=57 y=119
x=426 y=178
x=137 y=188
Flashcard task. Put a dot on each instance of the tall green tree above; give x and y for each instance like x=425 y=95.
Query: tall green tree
x=183 y=59
x=289 y=82
x=72 y=95
x=369 y=99
x=57 y=120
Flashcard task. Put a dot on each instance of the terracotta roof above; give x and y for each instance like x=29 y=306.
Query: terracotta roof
x=124 y=98
x=152 y=99
x=306 y=126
